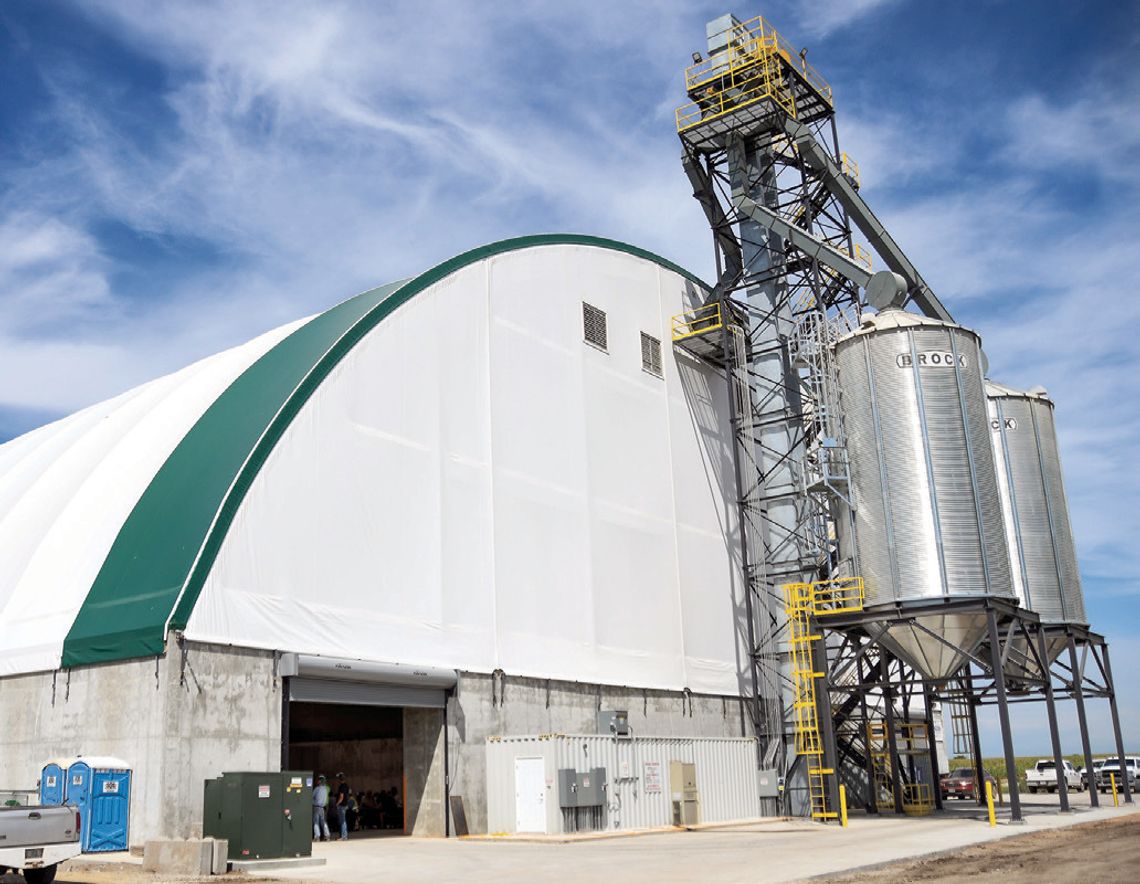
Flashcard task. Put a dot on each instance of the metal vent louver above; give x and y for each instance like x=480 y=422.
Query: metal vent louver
x=651 y=354
x=594 y=326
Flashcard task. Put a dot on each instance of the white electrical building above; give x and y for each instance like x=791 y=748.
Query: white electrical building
x=492 y=499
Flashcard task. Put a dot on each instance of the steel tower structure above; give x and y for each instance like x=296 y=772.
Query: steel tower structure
x=761 y=151
x=753 y=99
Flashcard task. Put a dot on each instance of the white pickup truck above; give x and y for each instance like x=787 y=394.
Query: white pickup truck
x=35 y=840
x=1043 y=776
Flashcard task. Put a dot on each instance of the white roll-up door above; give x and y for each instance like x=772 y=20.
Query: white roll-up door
x=314 y=679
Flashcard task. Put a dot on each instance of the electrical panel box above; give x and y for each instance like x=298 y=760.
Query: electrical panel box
x=592 y=788
x=567 y=787
x=261 y=814
x=615 y=722
x=581 y=788
x=769 y=781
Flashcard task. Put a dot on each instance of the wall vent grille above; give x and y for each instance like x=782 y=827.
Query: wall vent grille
x=594 y=326
x=651 y=354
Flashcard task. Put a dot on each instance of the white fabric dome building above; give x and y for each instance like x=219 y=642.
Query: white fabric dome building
x=499 y=469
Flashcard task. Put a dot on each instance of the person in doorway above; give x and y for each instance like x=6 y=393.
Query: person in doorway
x=342 y=795
x=320 y=810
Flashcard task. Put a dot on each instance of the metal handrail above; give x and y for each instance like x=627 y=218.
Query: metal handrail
x=747 y=41
x=697 y=322
x=739 y=89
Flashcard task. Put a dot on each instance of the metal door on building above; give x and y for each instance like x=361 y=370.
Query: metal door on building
x=530 y=795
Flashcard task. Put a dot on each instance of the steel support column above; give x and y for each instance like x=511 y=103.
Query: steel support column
x=1116 y=725
x=1077 y=672
x=928 y=699
x=868 y=761
x=823 y=712
x=1054 y=733
x=1003 y=715
x=976 y=747
x=892 y=740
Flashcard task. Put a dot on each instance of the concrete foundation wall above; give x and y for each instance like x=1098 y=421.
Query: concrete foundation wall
x=193 y=715
x=424 y=771
x=538 y=706
x=225 y=715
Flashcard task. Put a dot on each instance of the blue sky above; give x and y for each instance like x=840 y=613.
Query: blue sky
x=176 y=178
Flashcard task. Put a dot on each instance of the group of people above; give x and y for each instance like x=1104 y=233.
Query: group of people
x=352 y=812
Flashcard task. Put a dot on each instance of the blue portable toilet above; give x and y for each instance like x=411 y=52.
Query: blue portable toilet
x=53 y=781
x=100 y=788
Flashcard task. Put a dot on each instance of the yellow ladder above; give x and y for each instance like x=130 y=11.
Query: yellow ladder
x=802 y=602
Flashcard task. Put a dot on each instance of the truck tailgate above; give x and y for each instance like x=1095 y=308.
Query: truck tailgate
x=37 y=826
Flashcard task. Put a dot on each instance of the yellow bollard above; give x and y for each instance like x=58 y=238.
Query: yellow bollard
x=990 y=802
x=1112 y=780
x=843 y=805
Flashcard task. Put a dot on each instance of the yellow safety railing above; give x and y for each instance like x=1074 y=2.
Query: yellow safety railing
x=850 y=168
x=739 y=88
x=840 y=596
x=745 y=42
x=917 y=799
x=864 y=257
x=697 y=322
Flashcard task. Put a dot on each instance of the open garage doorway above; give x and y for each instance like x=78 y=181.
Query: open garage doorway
x=366 y=744
x=387 y=739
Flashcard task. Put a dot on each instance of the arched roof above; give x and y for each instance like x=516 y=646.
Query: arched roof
x=150 y=579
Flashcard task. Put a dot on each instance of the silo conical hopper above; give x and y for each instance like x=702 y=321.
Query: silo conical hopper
x=928 y=525
x=1042 y=551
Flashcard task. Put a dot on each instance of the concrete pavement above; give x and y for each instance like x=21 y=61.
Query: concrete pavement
x=772 y=850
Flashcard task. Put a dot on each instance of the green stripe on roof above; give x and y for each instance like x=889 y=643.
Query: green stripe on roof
x=159 y=561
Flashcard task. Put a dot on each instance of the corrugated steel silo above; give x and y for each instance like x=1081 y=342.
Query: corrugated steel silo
x=1042 y=552
x=928 y=521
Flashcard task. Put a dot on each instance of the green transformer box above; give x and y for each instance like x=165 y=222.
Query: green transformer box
x=263 y=815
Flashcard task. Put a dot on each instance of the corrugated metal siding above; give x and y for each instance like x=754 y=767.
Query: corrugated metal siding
x=726 y=777
x=929 y=520
x=1041 y=546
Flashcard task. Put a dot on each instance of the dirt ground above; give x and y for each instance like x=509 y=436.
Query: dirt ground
x=1088 y=853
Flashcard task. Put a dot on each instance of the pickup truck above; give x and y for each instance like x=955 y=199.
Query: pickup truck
x=1111 y=767
x=1043 y=775
x=35 y=840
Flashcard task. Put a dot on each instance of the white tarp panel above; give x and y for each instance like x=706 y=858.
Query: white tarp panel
x=475 y=487
x=67 y=488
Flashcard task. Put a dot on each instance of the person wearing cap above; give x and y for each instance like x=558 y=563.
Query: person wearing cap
x=320 y=810
x=342 y=793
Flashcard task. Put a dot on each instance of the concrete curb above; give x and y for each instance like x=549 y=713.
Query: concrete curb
x=285 y=862
x=507 y=838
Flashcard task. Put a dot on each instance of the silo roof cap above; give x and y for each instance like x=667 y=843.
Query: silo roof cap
x=996 y=390
x=895 y=317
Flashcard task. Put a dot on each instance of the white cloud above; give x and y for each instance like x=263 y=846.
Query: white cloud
x=51 y=273
x=820 y=18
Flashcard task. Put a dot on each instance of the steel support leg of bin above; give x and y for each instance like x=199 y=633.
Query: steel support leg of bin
x=1054 y=732
x=1003 y=715
x=1116 y=726
x=892 y=739
x=1079 y=696
x=935 y=773
x=976 y=747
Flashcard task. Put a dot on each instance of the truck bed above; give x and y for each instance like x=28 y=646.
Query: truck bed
x=37 y=826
